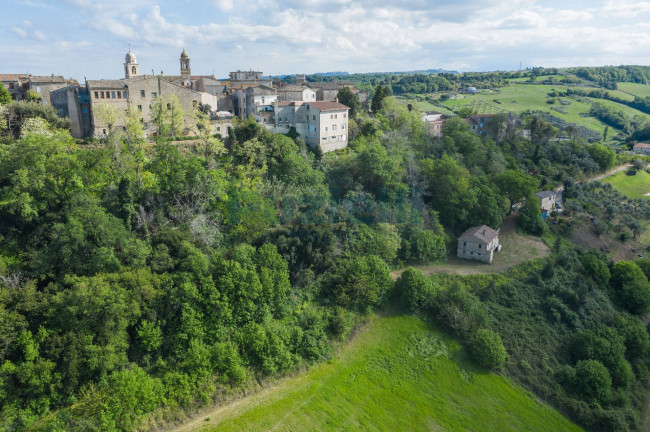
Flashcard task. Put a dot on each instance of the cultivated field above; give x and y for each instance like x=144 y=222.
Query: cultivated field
x=522 y=97
x=397 y=374
x=636 y=186
x=640 y=90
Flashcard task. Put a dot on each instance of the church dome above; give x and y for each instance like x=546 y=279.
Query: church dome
x=184 y=54
x=130 y=57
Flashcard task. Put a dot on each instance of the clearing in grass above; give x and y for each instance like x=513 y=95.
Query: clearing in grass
x=397 y=374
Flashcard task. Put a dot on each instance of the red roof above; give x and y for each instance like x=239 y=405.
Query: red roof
x=328 y=106
x=13 y=77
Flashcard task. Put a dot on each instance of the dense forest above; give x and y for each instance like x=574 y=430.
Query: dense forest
x=138 y=279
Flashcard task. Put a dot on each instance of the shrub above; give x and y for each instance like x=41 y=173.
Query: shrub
x=487 y=349
x=592 y=381
x=361 y=282
x=630 y=287
x=414 y=289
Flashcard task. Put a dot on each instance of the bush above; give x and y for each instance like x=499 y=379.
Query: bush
x=361 y=282
x=414 y=289
x=592 y=381
x=487 y=349
x=630 y=287
x=428 y=246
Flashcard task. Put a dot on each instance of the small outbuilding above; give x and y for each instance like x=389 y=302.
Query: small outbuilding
x=479 y=243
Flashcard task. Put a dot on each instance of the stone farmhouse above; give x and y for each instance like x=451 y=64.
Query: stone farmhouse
x=642 y=149
x=434 y=122
x=479 y=243
x=547 y=202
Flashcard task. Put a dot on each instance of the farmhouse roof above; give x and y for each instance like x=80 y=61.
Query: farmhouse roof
x=292 y=87
x=482 y=233
x=13 y=77
x=545 y=194
x=642 y=146
x=48 y=79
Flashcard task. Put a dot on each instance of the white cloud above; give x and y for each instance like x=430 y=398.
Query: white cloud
x=626 y=9
x=38 y=35
x=225 y=5
x=20 y=32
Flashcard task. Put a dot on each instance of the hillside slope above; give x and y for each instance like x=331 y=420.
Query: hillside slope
x=398 y=374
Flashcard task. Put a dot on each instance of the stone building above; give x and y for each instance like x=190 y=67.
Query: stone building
x=328 y=91
x=479 y=243
x=323 y=124
x=294 y=92
x=134 y=90
x=73 y=102
x=434 y=122
x=546 y=201
x=642 y=149
x=256 y=100
x=19 y=84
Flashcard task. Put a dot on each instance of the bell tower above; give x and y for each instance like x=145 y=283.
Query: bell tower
x=186 y=73
x=131 y=66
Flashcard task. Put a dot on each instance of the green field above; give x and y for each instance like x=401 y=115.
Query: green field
x=518 y=98
x=398 y=374
x=635 y=186
x=640 y=90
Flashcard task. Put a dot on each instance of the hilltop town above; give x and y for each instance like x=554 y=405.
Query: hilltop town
x=312 y=109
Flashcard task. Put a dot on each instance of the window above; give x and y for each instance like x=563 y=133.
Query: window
x=342 y=126
x=11 y=85
x=141 y=93
x=13 y=96
x=344 y=115
x=480 y=246
x=333 y=127
x=336 y=115
x=119 y=95
x=139 y=107
x=113 y=94
x=133 y=69
x=104 y=131
x=96 y=95
x=25 y=85
x=464 y=243
x=154 y=94
x=124 y=94
x=169 y=106
x=102 y=93
x=108 y=95
x=313 y=117
x=218 y=128
x=331 y=116
x=325 y=128
x=38 y=89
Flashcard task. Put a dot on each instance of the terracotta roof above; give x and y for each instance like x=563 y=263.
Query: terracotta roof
x=328 y=106
x=13 y=77
x=103 y=84
x=482 y=233
x=642 y=145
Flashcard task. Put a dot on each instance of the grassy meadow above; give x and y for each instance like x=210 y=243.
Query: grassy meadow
x=397 y=374
x=640 y=90
x=635 y=186
x=519 y=98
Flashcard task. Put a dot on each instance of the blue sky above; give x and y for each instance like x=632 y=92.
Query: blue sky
x=83 y=38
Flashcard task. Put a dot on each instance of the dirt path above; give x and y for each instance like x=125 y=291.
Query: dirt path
x=606 y=174
x=516 y=249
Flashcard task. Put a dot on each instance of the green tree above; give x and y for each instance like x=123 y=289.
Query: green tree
x=380 y=94
x=167 y=114
x=33 y=96
x=592 y=381
x=361 y=282
x=349 y=99
x=415 y=290
x=530 y=217
x=516 y=185
x=5 y=96
x=630 y=287
x=466 y=112
x=487 y=349
x=603 y=155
